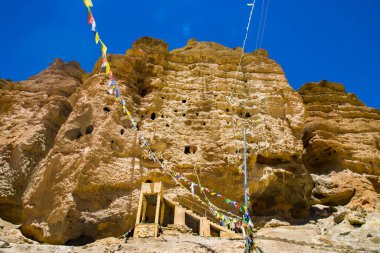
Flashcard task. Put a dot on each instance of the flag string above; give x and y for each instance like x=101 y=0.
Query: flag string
x=178 y=177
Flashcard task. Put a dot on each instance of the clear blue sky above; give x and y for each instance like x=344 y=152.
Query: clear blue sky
x=312 y=39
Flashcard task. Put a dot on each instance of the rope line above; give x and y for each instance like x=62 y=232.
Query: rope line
x=261 y=20
x=265 y=21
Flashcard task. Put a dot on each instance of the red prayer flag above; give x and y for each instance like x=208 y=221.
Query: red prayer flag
x=90 y=18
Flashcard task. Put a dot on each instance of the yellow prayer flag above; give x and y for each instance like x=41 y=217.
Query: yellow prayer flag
x=108 y=68
x=88 y=3
x=97 y=38
x=104 y=49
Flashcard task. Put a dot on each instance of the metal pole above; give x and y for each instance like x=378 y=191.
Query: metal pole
x=245 y=171
x=245 y=179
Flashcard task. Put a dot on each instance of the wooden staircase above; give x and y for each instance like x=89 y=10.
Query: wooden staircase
x=208 y=224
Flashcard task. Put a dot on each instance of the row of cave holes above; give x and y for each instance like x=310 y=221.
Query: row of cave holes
x=75 y=134
x=183 y=101
x=106 y=109
x=188 y=149
x=153 y=116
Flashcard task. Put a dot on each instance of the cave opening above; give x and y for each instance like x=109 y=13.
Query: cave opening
x=184 y=101
x=106 y=109
x=89 y=129
x=153 y=116
x=191 y=149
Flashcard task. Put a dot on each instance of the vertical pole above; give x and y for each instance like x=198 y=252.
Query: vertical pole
x=245 y=171
x=245 y=180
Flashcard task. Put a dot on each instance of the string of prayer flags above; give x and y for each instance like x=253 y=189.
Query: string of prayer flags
x=144 y=144
x=213 y=193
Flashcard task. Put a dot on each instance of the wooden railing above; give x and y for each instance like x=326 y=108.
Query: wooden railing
x=197 y=208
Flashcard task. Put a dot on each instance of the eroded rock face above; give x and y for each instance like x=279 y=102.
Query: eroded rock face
x=344 y=188
x=88 y=185
x=340 y=131
x=31 y=113
x=342 y=148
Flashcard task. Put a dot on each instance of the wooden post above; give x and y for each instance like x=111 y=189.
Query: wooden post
x=138 y=216
x=145 y=204
x=162 y=212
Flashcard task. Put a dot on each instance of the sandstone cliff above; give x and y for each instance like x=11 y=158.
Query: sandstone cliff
x=342 y=146
x=31 y=113
x=88 y=184
x=72 y=165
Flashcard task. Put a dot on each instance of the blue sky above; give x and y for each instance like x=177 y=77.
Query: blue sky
x=312 y=39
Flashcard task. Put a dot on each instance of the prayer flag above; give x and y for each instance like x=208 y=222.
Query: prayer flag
x=112 y=83
x=117 y=93
x=97 y=37
x=88 y=3
x=104 y=49
x=192 y=188
x=93 y=27
x=107 y=68
x=90 y=17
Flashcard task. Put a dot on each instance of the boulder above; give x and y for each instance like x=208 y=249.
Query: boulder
x=344 y=188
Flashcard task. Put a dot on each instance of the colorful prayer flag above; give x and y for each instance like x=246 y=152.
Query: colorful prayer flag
x=93 y=27
x=104 y=49
x=90 y=17
x=88 y=3
x=97 y=37
x=108 y=67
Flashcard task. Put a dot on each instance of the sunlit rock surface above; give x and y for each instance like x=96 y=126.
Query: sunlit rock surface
x=192 y=105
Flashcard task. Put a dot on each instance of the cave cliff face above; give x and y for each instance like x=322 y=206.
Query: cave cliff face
x=73 y=167
x=89 y=182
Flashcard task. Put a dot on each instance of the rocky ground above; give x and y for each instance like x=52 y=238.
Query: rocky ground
x=343 y=230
